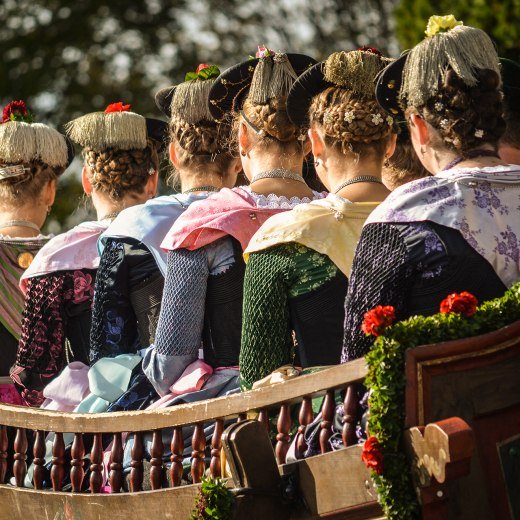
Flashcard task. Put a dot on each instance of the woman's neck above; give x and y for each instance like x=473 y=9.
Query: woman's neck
x=108 y=208
x=193 y=179
x=342 y=171
x=264 y=162
x=31 y=213
x=444 y=158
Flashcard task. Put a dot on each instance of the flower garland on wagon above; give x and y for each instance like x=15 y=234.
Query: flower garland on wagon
x=459 y=317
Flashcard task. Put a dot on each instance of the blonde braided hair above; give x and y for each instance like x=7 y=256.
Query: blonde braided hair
x=348 y=118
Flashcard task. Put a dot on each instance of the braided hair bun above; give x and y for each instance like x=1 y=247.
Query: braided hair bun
x=466 y=117
x=348 y=119
x=119 y=172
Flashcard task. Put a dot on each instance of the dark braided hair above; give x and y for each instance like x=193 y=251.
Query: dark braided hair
x=467 y=117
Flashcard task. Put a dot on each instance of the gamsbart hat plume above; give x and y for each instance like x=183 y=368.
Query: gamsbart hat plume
x=448 y=45
x=116 y=128
x=22 y=141
x=354 y=71
x=189 y=100
x=268 y=75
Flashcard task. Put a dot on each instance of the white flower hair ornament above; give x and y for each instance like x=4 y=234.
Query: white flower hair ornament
x=377 y=119
x=479 y=133
x=389 y=120
x=328 y=118
x=349 y=116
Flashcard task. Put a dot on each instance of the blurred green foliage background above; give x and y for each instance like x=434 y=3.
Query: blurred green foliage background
x=66 y=58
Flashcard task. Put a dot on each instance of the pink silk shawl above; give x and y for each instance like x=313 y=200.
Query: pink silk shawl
x=75 y=249
x=230 y=212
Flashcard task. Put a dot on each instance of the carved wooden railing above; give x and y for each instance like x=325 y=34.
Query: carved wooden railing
x=276 y=400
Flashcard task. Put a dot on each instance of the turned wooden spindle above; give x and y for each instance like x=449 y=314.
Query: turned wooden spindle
x=216 y=445
x=96 y=464
x=350 y=407
x=263 y=418
x=20 y=456
x=58 y=461
x=177 y=449
x=327 y=417
x=3 y=453
x=136 y=473
x=283 y=439
x=198 y=444
x=39 y=459
x=156 y=460
x=77 y=473
x=116 y=463
x=305 y=417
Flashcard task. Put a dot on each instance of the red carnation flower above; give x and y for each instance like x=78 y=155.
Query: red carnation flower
x=372 y=456
x=460 y=303
x=117 y=107
x=373 y=50
x=202 y=66
x=15 y=111
x=377 y=319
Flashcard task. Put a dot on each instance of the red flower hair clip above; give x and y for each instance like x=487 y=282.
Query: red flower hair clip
x=17 y=111
x=377 y=319
x=372 y=456
x=373 y=50
x=117 y=107
x=460 y=303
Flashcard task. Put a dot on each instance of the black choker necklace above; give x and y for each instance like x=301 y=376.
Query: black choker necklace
x=472 y=154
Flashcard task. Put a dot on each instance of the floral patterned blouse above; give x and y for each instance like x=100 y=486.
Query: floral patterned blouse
x=293 y=311
x=55 y=329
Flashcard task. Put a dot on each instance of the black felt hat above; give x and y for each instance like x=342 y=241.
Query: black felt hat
x=308 y=85
x=163 y=99
x=510 y=71
x=388 y=85
x=231 y=87
x=157 y=130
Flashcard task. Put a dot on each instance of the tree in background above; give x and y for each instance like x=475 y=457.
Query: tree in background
x=499 y=18
x=68 y=57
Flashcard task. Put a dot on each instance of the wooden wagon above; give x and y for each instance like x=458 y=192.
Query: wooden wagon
x=462 y=432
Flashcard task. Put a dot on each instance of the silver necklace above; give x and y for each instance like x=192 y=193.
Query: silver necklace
x=20 y=223
x=201 y=188
x=278 y=173
x=360 y=178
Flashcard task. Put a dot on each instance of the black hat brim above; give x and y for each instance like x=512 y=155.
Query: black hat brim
x=228 y=93
x=70 y=151
x=388 y=86
x=308 y=85
x=157 y=130
x=163 y=100
x=510 y=72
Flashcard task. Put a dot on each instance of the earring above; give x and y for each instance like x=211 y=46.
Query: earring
x=49 y=209
x=243 y=153
x=317 y=163
x=423 y=150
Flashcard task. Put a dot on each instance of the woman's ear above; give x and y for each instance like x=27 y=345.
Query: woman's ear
x=49 y=193
x=419 y=129
x=85 y=181
x=390 y=147
x=316 y=142
x=151 y=184
x=244 y=142
x=172 y=153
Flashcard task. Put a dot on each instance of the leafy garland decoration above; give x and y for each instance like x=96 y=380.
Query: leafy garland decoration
x=459 y=318
x=214 y=501
x=203 y=72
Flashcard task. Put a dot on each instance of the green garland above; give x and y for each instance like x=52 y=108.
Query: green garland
x=386 y=380
x=214 y=501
